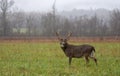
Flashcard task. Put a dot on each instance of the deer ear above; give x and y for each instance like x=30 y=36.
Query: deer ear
x=57 y=34
x=69 y=34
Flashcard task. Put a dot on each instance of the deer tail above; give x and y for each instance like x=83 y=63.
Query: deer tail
x=92 y=53
x=93 y=49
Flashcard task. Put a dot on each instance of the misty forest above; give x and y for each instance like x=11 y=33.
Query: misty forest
x=82 y=23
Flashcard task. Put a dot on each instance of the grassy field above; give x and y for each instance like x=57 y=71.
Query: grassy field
x=47 y=59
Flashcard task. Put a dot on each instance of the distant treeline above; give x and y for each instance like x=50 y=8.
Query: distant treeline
x=34 y=24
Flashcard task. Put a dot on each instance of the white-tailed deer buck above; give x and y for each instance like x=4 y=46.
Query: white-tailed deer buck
x=74 y=51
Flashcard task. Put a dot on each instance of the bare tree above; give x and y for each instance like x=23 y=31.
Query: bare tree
x=5 y=5
x=115 y=23
x=17 y=22
x=54 y=17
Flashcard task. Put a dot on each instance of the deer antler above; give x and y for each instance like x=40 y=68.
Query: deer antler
x=69 y=34
x=57 y=34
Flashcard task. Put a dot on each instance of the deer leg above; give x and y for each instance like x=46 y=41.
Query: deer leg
x=70 y=59
x=87 y=60
x=94 y=59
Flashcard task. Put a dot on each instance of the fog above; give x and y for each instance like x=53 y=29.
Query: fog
x=46 y=5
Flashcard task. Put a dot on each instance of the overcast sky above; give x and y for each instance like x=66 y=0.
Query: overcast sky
x=46 y=5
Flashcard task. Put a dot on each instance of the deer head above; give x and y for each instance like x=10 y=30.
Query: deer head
x=63 y=41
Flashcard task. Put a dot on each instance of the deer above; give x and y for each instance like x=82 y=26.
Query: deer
x=76 y=51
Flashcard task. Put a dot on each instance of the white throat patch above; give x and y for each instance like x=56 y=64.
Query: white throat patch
x=61 y=45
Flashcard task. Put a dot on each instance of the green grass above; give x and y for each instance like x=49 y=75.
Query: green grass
x=47 y=59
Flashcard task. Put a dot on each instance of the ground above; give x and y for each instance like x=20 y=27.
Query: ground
x=32 y=58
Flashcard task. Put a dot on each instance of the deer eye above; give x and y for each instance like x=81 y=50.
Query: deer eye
x=60 y=39
x=65 y=40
